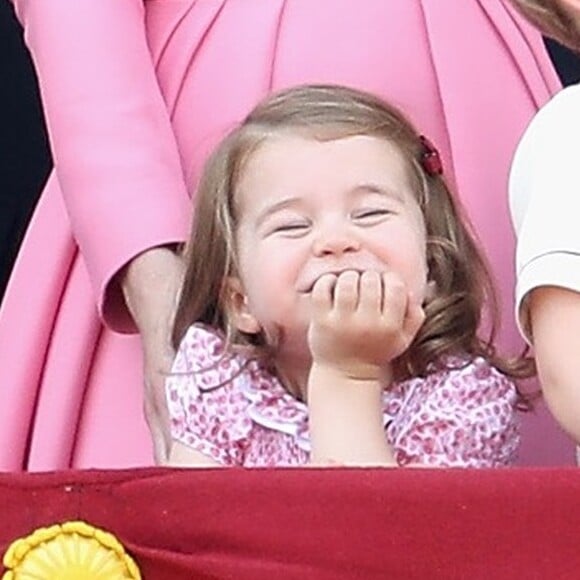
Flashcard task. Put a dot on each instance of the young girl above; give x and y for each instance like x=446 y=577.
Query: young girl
x=331 y=300
x=544 y=203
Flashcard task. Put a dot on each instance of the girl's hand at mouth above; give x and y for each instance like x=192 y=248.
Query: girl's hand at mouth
x=361 y=322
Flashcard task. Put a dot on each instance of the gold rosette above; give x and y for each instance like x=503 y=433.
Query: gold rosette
x=69 y=551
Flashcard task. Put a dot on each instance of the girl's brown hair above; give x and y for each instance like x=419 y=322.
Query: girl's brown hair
x=461 y=279
x=552 y=19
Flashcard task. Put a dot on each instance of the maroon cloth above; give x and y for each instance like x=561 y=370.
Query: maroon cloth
x=316 y=524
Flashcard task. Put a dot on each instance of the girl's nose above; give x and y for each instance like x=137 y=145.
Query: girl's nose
x=335 y=242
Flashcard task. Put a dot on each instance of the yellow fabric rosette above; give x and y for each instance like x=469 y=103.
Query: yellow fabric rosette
x=69 y=551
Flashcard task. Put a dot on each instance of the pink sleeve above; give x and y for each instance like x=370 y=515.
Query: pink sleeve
x=460 y=418
x=114 y=150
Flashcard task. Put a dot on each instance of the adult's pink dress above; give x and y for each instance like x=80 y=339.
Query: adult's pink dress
x=135 y=94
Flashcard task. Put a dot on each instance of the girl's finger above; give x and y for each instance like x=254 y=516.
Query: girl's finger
x=394 y=307
x=322 y=292
x=346 y=291
x=370 y=293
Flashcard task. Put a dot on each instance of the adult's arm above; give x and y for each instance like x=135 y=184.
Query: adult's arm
x=118 y=166
x=115 y=153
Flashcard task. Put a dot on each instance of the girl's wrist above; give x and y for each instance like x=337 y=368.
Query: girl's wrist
x=370 y=377
x=346 y=419
x=330 y=393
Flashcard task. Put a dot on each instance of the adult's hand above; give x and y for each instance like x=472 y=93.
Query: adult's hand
x=150 y=285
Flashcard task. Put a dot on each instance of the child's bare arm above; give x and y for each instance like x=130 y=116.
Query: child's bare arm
x=181 y=455
x=346 y=420
x=555 y=323
x=360 y=323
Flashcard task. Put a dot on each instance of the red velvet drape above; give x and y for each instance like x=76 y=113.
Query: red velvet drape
x=316 y=524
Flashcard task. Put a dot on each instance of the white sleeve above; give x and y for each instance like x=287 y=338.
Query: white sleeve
x=545 y=201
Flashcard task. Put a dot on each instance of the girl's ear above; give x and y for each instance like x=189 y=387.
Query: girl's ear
x=235 y=303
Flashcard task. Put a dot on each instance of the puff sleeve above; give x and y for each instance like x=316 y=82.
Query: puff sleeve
x=463 y=417
x=207 y=409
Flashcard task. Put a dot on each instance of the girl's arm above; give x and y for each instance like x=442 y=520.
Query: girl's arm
x=360 y=323
x=555 y=323
x=346 y=420
x=181 y=455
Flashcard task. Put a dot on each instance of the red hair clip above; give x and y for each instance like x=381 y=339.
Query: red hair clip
x=430 y=158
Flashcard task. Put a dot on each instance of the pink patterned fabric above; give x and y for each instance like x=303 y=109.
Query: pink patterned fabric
x=233 y=410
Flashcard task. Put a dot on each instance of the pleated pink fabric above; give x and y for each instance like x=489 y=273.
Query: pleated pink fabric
x=136 y=94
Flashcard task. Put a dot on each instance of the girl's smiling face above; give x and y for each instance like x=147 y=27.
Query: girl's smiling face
x=306 y=208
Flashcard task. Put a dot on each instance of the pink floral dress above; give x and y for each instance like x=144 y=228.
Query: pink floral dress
x=234 y=411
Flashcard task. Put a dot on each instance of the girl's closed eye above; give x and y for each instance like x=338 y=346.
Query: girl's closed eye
x=371 y=215
x=289 y=227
